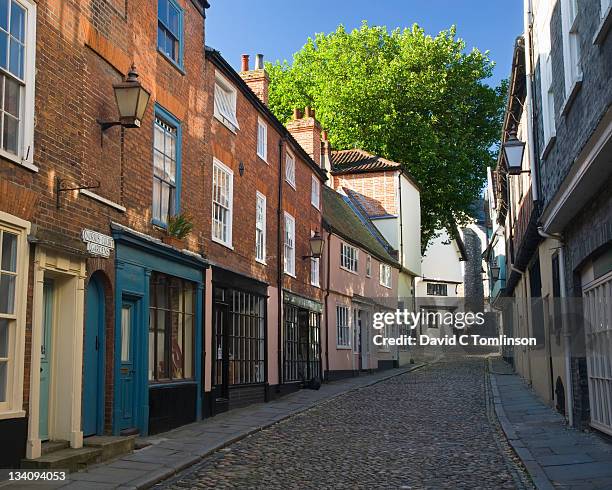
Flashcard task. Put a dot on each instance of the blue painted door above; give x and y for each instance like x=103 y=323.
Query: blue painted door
x=126 y=371
x=45 y=359
x=93 y=394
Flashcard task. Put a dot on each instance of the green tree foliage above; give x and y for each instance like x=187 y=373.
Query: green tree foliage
x=406 y=96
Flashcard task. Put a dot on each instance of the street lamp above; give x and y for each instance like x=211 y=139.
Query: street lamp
x=132 y=100
x=495 y=272
x=316 y=246
x=513 y=151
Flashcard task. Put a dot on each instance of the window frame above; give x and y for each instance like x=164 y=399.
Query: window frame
x=224 y=168
x=179 y=61
x=12 y=407
x=290 y=156
x=434 y=288
x=230 y=121
x=290 y=218
x=368 y=266
x=343 y=331
x=315 y=269
x=261 y=260
x=387 y=275
x=572 y=69
x=25 y=144
x=262 y=141
x=171 y=120
x=343 y=257
x=315 y=185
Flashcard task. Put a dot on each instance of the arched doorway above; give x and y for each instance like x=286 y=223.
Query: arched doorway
x=93 y=358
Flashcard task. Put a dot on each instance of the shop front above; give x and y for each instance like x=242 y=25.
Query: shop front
x=239 y=341
x=158 y=341
x=301 y=341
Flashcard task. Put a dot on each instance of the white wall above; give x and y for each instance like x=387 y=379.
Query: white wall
x=411 y=225
x=441 y=260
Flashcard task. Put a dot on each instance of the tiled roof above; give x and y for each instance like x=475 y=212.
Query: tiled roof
x=351 y=161
x=344 y=222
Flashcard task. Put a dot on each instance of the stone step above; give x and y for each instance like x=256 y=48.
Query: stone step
x=65 y=459
x=111 y=446
x=52 y=446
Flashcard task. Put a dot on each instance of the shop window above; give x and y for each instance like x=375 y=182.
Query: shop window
x=302 y=344
x=171 y=328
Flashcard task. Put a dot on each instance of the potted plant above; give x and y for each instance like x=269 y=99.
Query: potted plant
x=179 y=226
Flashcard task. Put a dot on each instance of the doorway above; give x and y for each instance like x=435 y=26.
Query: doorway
x=93 y=369
x=127 y=379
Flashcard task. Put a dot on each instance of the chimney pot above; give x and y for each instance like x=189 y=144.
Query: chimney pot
x=324 y=135
x=297 y=114
x=259 y=61
x=307 y=111
x=245 y=62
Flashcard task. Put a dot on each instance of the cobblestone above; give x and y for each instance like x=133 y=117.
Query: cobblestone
x=432 y=428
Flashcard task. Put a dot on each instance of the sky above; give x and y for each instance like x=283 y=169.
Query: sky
x=279 y=28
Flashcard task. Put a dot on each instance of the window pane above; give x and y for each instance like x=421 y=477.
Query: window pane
x=173 y=20
x=17 y=21
x=4 y=5
x=151 y=341
x=11 y=96
x=4 y=337
x=3 y=380
x=162 y=10
x=125 y=333
x=16 y=59
x=9 y=252
x=10 y=134
x=3 y=49
x=7 y=294
x=161 y=39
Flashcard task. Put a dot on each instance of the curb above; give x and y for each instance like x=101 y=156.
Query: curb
x=159 y=477
x=536 y=472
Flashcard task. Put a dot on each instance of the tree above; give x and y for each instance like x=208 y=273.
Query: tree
x=408 y=97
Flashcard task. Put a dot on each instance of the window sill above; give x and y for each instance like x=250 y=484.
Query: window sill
x=349 y=270
x=262 y=262
x=103 y=200
x=569 y=100
x=263 y=159
x=291 y=184
x=315 y=285
x=315 y=206
x=549 y=144
x=602 y=31
x=159 y=224
x=343 y=347
x=176 y=65
x=12 y=414
x=234 y=129
x=221 y=242
x=18 y=161
x=385 y=286
x=290 y=274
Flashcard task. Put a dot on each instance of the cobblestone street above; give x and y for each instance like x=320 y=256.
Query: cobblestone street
x=431 y=428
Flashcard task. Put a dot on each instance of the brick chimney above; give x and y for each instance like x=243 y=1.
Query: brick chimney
x=326 y=155
x=307 y=132
x=257 y=79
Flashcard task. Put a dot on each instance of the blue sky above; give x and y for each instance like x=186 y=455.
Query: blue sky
x=279 y=28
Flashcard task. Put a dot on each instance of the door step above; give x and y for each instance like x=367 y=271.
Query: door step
x=96 y=449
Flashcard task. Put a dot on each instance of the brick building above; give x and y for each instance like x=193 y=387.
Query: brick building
x=82 y=214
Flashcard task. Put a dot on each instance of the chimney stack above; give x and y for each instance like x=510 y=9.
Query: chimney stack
x=326 y=156
x=307 y=132
x=257 y=79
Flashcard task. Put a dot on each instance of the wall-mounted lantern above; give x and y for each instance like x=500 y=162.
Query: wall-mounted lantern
x=316 y=246
x=513 y=151
x=495 y=272
x=132 y=100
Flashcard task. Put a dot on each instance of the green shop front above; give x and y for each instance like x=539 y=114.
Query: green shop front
x=158 y=335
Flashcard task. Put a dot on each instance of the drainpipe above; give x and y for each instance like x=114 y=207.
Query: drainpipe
x=279 y=255
x=326 y=296
x=569 y=389
x=529 y=101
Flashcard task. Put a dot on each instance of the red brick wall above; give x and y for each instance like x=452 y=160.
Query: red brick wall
x=376 y=191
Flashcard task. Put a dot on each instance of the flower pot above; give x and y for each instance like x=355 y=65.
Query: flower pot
x=173 y=241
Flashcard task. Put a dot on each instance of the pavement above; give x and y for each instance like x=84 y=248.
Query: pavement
x=555 y=455
x=175 y=450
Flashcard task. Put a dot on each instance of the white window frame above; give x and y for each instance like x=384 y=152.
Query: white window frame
x=260 y=226
x=226 y=115
x=217 y=164
x=343 y=327
x=262 y=140
x=348 y=263
x=548 y=101
x=315 y=193
x=13 y=406
x=571 y=46
x=25 y=145
x=290 y=169
x=289 y=246
x=368 y=267
x=386 y=279
x=315 y=269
